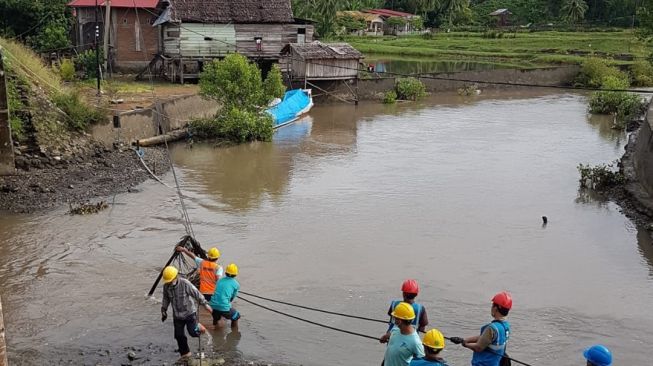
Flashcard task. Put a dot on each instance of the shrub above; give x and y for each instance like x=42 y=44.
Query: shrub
x=87 y=63
x=599 y=177
x=15 y=105
x=237 y=125
x=594 y=71
x=67 y=70
x=390 y=97
x=80 y=115
x=273 y=84
x=410 y=88
x=234 y=81
x=642 y=73
x=625 y=106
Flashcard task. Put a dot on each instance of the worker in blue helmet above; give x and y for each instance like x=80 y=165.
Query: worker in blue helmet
x=598 y=355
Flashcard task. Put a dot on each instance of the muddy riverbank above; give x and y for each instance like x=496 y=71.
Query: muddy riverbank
x=44 y=182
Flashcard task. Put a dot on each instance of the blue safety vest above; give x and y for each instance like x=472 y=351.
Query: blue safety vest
x=491 y=356
x=416 y=307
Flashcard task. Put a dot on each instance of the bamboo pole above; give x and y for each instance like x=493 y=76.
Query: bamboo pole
x=3 y=346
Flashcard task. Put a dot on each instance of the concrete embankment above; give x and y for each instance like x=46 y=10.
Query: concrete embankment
x=637 y=164
x=371 y=89
x=163 y=116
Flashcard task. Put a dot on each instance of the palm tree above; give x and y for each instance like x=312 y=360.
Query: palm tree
x=453 y=8
x=574 y=10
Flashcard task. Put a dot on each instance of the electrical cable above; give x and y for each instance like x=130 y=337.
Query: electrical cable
x=309 y=321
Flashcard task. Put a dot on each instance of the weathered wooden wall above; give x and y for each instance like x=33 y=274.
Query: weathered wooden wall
x=195 y=40
x=330 y=69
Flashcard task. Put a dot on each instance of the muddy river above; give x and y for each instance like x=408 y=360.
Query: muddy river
x=336 y=213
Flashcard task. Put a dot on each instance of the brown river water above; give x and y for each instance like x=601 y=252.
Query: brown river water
x=336 y=213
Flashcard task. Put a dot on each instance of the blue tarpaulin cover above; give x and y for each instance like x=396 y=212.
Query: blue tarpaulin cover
x=293 y=102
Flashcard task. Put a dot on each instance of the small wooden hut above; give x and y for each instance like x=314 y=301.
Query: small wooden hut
x=502 y=17
x=322 y=61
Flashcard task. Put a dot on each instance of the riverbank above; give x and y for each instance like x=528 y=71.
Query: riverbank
x=44 y=182
x=524 y=49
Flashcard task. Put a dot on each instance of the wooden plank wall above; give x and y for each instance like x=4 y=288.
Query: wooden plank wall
x=194 y=40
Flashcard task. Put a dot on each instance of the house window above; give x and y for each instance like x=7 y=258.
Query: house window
x=301 y=35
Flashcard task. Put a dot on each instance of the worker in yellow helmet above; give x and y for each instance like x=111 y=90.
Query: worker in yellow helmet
x=433 y=344
x=404 y=343
x=183 y=296
x=225 y=292
x=209 y=269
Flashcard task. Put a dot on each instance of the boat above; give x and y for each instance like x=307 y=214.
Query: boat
x=294 y=104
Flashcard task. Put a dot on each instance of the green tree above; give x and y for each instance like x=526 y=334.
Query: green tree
x=573 y=11
x=273 y=84
x=237 y=84
x=234 y=81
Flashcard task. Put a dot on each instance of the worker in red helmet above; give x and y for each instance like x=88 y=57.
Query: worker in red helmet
x=409 y=289
x=490 y=346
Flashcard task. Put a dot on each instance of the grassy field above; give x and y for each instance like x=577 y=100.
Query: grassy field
x=525 y=49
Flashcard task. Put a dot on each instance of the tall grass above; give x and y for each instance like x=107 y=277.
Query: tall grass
x=25 y=62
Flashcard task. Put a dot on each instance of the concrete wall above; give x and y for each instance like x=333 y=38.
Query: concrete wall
x=173 y=114
x=375 y=88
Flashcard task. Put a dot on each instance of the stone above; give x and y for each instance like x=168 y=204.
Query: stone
x=131 y=356
x=71 y=186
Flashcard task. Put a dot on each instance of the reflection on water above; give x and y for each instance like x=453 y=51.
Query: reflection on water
x=645 y=243
x=604 y=124
x=424 y=66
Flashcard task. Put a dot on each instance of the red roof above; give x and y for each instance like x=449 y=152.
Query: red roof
x=151 y=4
x=389 y=13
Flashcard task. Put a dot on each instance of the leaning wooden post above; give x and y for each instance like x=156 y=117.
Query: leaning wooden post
x=6 y=144
x=3 y=346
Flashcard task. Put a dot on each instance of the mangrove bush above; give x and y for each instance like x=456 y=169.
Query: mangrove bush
x=410 y=88
x=237 y=85
x=624 y=105
x=600 y=177
x=390 y=97
x=594 y=71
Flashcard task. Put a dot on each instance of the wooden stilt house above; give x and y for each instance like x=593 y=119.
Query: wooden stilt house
x=195 y=31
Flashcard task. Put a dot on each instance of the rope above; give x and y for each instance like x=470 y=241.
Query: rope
x=310 y=321
x=339 y=314
x=187 y=223
x=140 y=153
x=315 y=309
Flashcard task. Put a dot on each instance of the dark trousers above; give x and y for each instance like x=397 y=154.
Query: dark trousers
x=190 y=323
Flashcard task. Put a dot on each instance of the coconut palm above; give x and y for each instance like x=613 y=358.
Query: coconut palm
x=574 y=10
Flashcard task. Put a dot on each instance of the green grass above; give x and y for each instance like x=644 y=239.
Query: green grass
x=540 y=48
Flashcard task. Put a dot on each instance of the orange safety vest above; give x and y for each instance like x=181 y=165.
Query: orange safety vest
x=208 y=278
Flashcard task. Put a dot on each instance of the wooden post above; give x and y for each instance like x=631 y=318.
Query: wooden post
x=3 y=345
x=107 y=32
x=6 y=144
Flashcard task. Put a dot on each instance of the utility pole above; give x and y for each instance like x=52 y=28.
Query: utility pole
x=107 y=32
x=98 y=70
x=6 y=149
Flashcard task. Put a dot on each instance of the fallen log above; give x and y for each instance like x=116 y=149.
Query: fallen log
x=169 y=137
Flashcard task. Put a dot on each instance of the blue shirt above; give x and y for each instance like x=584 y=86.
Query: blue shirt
x=225 y=292
x=425 y=362
x=402 y=348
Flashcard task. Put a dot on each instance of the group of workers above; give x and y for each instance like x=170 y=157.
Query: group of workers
x=218 y=289
x=407 y=318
